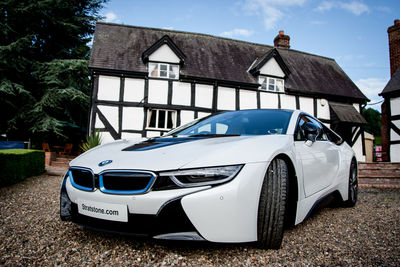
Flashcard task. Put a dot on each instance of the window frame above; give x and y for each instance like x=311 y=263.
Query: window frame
x=159 y=64
x=167 y=112
x=271 y=81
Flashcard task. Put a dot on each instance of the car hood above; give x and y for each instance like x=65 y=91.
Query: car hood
x=171 y=153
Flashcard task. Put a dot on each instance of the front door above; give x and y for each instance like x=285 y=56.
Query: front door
x=319 y=159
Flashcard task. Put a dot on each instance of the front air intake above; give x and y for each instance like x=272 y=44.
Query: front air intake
x=82 y=178
x=126 y=182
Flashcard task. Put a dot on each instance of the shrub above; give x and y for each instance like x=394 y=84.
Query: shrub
x=91 y=142
x=18 y=164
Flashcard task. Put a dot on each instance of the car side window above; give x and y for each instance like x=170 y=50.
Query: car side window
x=299 y=133
x=332 y=136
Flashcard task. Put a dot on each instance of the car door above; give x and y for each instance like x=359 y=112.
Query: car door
x=319 y=159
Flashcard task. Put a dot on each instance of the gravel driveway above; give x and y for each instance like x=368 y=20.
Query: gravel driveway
x=32 y=234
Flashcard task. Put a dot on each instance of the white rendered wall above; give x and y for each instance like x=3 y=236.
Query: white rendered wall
x=288 y=101
x=164 y=54
x=153 y=134
x=226 y=98
x=307 y=105
x=204 y=96
x=106 y=137
x=202 y=114
x=357 y=147
x=130 y=135
x=132 y=118
x=111 y=115
x=99 y=124
x=272 y=68
x=393 y=135
x=357 y=107
x=186 y=116
x=181 y=93
x=395 y=153
x=323 y=109
x=268 y=100
x=395 y=106
x=133 y=90
x=108 y=88
x=395 y=148
x=158 y=91
x=248 y=99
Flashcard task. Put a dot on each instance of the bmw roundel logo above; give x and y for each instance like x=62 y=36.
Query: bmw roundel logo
x=105 y=162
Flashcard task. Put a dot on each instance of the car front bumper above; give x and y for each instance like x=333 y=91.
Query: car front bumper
x=224 y=213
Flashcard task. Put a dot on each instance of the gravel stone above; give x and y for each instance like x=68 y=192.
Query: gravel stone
x=31 y=233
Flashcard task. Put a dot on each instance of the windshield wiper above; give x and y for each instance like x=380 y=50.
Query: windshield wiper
x=212 y=135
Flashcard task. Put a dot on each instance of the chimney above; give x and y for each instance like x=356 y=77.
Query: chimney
x=394 y=46
x=282 y=40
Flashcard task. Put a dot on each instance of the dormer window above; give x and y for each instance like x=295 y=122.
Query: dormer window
x=163 y=70
x=271 y=84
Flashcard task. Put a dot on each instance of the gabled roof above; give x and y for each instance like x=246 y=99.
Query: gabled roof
x=273 y=53
x=164 y=40
x=120 y=48
x=393 y=86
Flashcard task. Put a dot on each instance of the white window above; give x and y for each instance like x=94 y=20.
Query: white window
x=163 y=70
x=271 y=84
x=161 y=119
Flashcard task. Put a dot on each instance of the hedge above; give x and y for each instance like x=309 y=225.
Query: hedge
x=18 y=164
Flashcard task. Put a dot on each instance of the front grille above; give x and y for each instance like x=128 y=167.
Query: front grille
x=126 y=182
x=82 y=178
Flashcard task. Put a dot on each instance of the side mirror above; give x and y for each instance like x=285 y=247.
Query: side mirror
x=311 y=131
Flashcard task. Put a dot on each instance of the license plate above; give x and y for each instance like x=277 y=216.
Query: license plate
x=105 y=211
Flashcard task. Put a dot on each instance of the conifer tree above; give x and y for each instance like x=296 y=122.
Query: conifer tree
x=44 y=76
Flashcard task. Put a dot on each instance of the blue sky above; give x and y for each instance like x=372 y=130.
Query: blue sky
x=353 y=32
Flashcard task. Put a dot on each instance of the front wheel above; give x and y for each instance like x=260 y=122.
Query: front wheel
x=272 y=205
x=353 y=185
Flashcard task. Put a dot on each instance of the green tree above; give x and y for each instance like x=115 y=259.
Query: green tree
x=44 y=79
x=373 y=117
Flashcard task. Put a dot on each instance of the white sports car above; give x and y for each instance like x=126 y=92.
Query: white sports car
x=238 y=176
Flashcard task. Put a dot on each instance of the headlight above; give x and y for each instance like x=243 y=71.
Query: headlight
x=203 y=176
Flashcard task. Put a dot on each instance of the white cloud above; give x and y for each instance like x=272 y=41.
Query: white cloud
x=355 y=7
x=111 y=17
x=371 y=87
x=270 y=10
x=384 y=9
x=168 y=28
x=325 y=6
x=318 y=22
x=237 y=32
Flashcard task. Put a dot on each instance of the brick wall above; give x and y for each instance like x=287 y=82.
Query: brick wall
x=394 y=46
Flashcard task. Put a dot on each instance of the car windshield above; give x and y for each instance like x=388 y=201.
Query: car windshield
x=243 y=122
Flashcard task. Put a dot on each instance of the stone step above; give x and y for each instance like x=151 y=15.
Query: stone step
x=59 y=164
x=378 y=179
x=382 y=186
x=62 y=160
x=379 y=173
x=379 y=166
x=378 y=183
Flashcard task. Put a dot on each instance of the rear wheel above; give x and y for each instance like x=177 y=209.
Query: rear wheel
x=353 y=185
x=273 y=205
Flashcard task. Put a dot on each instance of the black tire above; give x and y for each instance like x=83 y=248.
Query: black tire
x=353 y=185
x=273 y=205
